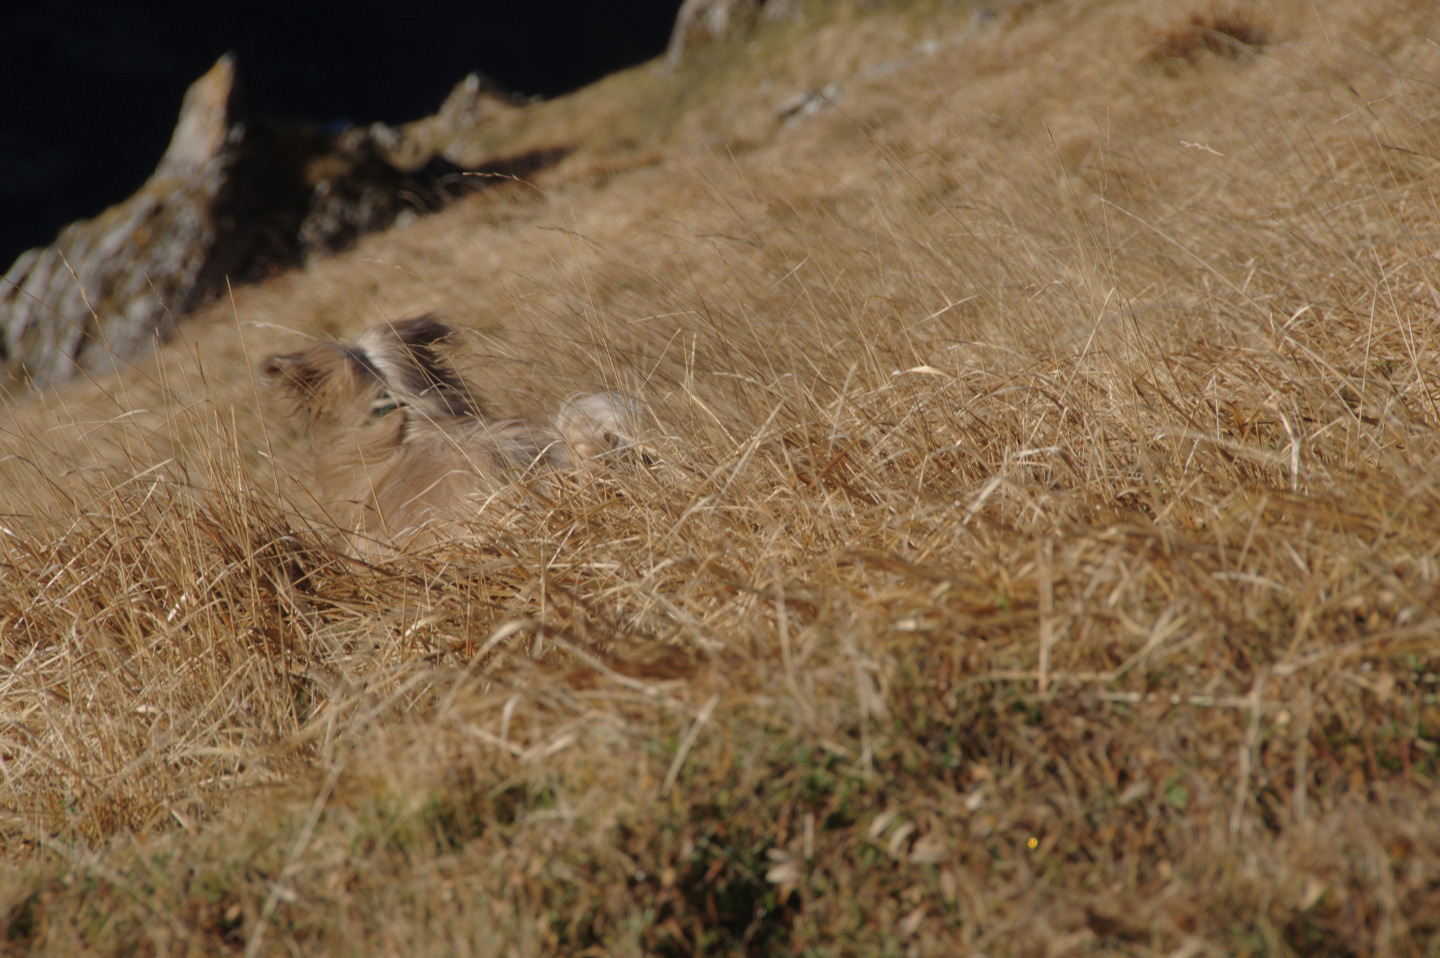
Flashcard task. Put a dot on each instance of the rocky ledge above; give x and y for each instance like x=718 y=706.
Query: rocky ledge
x=234 y=197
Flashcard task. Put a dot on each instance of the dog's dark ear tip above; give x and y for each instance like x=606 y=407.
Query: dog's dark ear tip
x=426 y=330
x=274 y=369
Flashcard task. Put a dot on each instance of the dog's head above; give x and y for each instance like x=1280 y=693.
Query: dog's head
x=390 y=366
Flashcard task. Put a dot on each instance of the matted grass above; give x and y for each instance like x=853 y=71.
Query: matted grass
x=1038 y=553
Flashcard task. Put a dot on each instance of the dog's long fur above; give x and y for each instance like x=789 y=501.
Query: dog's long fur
x=402 y=448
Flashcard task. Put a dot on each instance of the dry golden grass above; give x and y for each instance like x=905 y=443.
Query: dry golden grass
x=1039 y=554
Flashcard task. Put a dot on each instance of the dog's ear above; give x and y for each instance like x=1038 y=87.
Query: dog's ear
x=290 y=371
x=407 y=356
x=427 y=330
x=322 y=368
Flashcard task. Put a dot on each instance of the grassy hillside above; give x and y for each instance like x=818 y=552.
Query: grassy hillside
x=1040 y=553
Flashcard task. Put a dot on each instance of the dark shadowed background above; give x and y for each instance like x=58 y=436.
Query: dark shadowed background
x=92 y=88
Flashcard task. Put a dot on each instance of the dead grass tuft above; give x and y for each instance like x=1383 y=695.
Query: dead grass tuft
x=1035 y=550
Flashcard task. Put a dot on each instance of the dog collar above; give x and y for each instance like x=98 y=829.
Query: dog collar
x=381 y=406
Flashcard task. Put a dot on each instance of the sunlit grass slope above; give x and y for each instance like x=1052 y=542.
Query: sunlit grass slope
x=1037 y=556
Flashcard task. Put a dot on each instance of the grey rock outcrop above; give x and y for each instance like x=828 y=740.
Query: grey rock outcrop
x=109 y=284
x=234 y=197
x=704 y=21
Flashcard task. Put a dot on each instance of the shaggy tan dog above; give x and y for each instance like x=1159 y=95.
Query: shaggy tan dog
x=402 y=448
